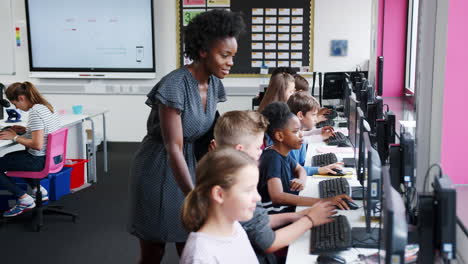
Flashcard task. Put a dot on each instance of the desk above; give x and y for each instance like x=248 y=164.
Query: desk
x=298 y=251
x=76 y=142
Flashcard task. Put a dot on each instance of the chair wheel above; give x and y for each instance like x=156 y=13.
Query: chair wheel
x=37 y=228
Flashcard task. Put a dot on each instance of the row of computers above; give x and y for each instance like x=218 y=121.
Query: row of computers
x=386 y=172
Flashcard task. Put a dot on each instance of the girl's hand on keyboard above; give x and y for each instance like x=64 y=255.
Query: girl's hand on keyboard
x=297 y=185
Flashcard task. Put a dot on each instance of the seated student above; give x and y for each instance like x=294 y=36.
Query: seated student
x=42 y=121
x=279 y=89
x=244 y=131
x=302 y=85
x=225 y=193
x=305 y=107
x=281 y=177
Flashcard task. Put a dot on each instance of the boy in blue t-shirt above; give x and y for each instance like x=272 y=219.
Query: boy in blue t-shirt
x=281 y=177
x=306 y=107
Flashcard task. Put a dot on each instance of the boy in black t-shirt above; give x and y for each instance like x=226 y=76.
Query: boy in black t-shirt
x=281 y=177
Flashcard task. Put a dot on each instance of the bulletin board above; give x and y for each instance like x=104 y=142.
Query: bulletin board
x=278 y=33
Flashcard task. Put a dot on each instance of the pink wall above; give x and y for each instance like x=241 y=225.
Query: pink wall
x=392 y=31
x=454 y=124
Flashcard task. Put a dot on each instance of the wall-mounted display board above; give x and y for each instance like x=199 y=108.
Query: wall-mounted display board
x=278 y=33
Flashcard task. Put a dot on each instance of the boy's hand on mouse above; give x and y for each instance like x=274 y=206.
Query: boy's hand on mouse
x=339 y=202
x=297 y=185
x=329 y=168
x=321 y=213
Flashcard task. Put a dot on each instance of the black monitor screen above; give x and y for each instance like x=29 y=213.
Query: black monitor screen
x=358 y=147
x=352 y=120
x=395 y=228
x=333 y=85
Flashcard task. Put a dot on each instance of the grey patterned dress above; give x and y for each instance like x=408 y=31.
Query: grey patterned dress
x=156 y=199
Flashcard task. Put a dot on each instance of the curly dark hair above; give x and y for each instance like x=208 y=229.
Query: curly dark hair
x=278 y=115
x=208 y=27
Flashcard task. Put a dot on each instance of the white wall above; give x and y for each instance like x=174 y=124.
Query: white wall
x=126 y=120
x=342 y=20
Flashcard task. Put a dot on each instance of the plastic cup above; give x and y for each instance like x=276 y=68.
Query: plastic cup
x=77 y=109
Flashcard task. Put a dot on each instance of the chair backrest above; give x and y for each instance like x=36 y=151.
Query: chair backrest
x=56 y=150
x=55 y=156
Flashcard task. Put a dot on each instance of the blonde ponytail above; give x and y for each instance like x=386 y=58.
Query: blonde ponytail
x=195 y=210
x=217 y=168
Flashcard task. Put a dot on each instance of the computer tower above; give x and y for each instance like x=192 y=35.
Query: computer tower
x=372 y=116
x=394 y=153
x=379 y=103
x=390 y=117
x=445 y=198
x=380 y=62
x=407 y=145
x=382 y=145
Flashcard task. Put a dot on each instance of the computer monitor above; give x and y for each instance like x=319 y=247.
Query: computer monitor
x=333 y=85
x=437 y=222
x=368 y=237
x=358 y=147
x=352 y=119
x=395 y=228
x=348 y=89
x=402 y=162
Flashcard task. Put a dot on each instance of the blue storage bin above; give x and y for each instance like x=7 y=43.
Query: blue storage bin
x=59 y=183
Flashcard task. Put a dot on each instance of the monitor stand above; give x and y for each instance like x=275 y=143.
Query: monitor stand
x=362 y=239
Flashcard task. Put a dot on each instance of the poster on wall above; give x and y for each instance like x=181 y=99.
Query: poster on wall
x=338 y=48
x=278 y=33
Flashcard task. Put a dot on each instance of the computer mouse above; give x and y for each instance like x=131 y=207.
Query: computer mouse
x=5 y=128
x=330 y=259
x=338 y=172
x=352 y=205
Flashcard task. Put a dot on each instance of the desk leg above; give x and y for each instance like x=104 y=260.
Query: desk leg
x=93 y=151
x=105 y=141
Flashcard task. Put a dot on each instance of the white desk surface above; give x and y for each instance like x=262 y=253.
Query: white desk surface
x=66 y=120
x=298 y=251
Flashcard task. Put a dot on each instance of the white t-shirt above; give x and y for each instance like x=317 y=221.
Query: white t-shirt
x=40 y=118
x=202 y=248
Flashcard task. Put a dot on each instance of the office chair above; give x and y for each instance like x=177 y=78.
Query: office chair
x=55 y=159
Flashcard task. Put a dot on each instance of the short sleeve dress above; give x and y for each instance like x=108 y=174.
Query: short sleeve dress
x=155 y=198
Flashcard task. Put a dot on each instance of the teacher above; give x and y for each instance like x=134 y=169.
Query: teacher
x=183 y=106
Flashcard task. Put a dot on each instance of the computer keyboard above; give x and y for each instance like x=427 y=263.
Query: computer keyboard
x=334 y=187
x=325 y=123
x=338 y=139
x=324 y=159
x=332 y=236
